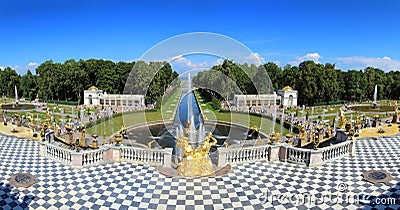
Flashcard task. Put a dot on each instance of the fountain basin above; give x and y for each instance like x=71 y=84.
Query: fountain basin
x=144 y=133
x=18 y=107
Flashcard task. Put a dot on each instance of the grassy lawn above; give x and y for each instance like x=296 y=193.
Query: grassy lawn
x=129 y=119
x=68 y=109
x=318 y=110
x=40 y=115
x=169 y=105
x=238 y=118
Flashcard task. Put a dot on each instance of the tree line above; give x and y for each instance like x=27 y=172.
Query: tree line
x=67 y=81
x=316 y=83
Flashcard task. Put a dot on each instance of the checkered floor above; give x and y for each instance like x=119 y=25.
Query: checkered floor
x=256 y=185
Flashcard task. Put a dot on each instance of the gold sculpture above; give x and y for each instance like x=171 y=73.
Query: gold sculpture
x=329 y=131
x=303 y=134
x=32 y=123
x=94 y=142
x=195 y=162
x=342 y=122
x=316 y=141
x=396 y=112
x=83 y=138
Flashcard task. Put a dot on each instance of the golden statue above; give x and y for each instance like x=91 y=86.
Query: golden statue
x=396 y=112
x=195 y=162
x=277 y=137
x=342 y=122
x=122 y=131
x=316 y=140
x=32 y=123
x=303 y=134
x=83 y=137
x=254 y=128
x=329 y=131
x=56 y=130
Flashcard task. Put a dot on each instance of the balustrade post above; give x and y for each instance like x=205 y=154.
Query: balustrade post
x=76 y=160
x=352 y=147
x=167 y=157
x=116 y=154
x=42 y=151
x=107 y=154
x=221 y=157
x=283 y=150
x=316 y=158
x=274 y=152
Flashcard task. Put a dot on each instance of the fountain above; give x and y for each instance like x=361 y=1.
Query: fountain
x=375 y=95
x=16 y=105
x=282 y=121
x=273 y=121
x=16 y=95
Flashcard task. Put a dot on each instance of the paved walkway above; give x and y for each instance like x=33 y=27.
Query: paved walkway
x=247 y=186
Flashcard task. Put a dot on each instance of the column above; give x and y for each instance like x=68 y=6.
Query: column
x=167 y=158
x=221 y=157
x=115 y=102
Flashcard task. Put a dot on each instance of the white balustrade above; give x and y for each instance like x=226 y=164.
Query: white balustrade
x=297 y=155
x=92 y=157
x=57 y=153
x=245 y=154
x=154 y=157
x=336 y=151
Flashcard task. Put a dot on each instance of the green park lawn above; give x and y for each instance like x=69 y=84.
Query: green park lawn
x=169 y=105
x=128 y=119
x=244 y=119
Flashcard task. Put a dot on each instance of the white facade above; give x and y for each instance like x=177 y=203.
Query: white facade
x=95 y=97
x=245 y=102
x=288 y=97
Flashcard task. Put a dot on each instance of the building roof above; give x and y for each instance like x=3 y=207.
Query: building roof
x=93 y=88
x=287 y=88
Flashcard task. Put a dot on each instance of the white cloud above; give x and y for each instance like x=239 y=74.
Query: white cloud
x=184 y=63
x=358 y=62
x=219 y=61
x=254 y=58
x=309 y=56
x=2 y=67
x=32 y=64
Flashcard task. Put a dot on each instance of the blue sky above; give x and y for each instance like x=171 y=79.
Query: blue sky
x=351 y=34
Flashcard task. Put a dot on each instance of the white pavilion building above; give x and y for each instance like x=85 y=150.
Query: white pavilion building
x=287 y=97
x=95 y=97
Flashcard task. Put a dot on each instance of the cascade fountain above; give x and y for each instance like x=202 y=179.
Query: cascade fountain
x=375 y=95
x=282 y=120
x=273 y=121
x=16 y=94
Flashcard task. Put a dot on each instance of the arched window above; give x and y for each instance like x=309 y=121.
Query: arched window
x=290 y=102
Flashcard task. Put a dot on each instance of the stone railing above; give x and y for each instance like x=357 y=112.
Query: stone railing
x=56 y=153
x=311 y=157
x=92 y=157
x=153 y=157
x=163 y=157
x=79 y=159
x=296 y=155
x=337 y=150
x=246 y=154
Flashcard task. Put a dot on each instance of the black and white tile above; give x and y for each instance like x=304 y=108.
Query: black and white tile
x=255 y=185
